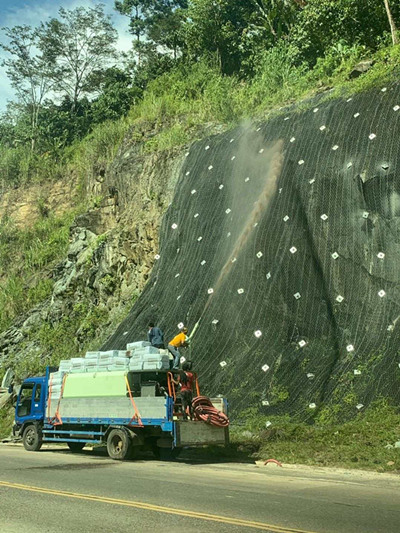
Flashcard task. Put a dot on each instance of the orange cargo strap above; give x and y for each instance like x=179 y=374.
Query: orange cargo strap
x=49 y=398
x=137 y=414
x=56 y=420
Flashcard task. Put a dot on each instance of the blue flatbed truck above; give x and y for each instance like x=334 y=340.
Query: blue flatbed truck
x=125 y=410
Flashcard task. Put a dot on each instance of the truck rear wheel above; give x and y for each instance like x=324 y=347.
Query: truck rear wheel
x=32 y=438
x=119 y=444
x=76 y=446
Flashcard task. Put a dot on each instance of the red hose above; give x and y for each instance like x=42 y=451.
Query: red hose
x=272 y=461
x=204 y=410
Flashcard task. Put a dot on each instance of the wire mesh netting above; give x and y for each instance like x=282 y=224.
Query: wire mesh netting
x=281 y=248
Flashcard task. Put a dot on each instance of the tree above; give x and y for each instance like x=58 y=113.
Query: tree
x=28 y=70
x=215 y=28
x=155 y=24
x=117 y=95
x=61 y=124
x=166 y=24
x=78 y=44
x=275 y=15
x=153 y=64
x=138 y=13
x=393 y=28
x=269 y=21
x=7 y=130
x=321 y=24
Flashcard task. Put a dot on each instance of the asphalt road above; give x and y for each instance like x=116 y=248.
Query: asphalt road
x=56 y=491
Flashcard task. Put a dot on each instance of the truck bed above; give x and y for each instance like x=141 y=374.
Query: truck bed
x=109 y=408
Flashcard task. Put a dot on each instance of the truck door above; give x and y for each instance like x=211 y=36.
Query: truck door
x=30 y=402
x=37 y=402
x=24 y=405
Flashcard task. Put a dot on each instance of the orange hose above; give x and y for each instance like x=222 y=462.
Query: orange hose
x=204 y=410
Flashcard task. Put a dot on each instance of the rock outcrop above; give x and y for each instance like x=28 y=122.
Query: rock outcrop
x=111 y=252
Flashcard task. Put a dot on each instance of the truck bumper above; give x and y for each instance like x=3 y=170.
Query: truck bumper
x=197 y=433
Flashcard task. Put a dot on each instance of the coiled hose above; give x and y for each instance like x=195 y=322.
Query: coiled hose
x=204 y=410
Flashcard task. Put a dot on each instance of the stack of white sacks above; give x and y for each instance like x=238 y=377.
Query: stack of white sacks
x=55 y=382
x=137 y=356
x=143 y=356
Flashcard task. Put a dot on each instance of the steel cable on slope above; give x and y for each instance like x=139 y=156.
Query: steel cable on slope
x=204 y=410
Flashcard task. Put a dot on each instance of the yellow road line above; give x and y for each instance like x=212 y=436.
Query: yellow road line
x=156 y=508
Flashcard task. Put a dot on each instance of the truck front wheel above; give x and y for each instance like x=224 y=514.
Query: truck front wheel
x=32 y=438
x=119 y=444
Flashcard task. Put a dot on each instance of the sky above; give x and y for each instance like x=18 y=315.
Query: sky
x=32 y=12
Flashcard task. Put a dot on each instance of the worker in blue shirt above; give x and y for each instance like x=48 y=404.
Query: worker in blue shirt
x=155 y=336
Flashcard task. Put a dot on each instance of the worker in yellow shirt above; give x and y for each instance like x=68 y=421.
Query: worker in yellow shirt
x=178 y=341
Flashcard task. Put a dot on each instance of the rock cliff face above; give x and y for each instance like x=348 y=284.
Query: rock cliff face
x=111 y=251
x=281 y=246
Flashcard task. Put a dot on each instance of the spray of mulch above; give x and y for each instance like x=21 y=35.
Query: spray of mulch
x=254 y=184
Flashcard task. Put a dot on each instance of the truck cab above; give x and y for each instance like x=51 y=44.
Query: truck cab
x=29 y=411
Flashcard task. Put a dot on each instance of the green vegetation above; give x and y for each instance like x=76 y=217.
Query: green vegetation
x=92 y=155
x=26 y=260
x=193 y=62
x=278 y=394
x=83 y=328
x=367 y=442
x=6 y=422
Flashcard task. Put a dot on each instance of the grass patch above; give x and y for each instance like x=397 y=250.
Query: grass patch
x=385 y=69
x=92 y=155
x=27 y=257
x=177 y=106
x=367 y=442
x=181 y=102
x=6 y=421
x=19 y=166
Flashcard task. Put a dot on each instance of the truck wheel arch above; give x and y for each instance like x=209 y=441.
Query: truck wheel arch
x=135 y=434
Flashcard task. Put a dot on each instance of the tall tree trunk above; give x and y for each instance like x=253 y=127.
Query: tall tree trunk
x=219 y=59
x=393 y=28
x=75 y=100
x=34 y=121
x=138 y=39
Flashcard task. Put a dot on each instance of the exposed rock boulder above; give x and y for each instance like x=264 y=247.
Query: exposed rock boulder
x=360 y=68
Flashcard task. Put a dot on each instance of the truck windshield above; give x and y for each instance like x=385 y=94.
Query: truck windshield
x=25 y=400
